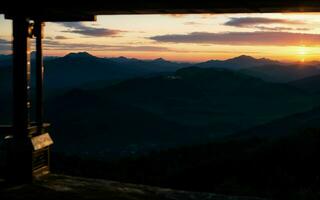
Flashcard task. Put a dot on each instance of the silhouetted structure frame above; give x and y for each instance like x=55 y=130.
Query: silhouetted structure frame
x=29 y=144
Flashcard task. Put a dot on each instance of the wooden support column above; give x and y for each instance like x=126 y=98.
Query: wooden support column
x=20 y=150
x=21 y=76
x=38 y=30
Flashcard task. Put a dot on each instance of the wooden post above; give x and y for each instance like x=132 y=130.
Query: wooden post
x=21 y=76
x=20 y=151
x=38 y=30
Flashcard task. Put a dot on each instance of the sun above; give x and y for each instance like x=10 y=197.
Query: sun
x=302 y=53
x=302 y=50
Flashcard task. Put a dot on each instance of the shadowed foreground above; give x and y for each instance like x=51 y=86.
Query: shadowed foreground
x=67 y=187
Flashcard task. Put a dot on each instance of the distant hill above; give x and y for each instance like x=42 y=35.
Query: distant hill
x=240 y=62
x=77 y=69
x=310 y=84
x=204 y=92
x=289 y=125
x=275 y=169
x=193 y=105
x=5 y=60
x=281 y=73
x=110 y=129
x=157 y=65
x=5 y=79
x=266 y=69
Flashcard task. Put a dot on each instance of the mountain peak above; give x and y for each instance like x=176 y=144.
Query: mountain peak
x=243 y=57
x=160 y=60
x=122 y=57
x=79 y=55
x=239 y=62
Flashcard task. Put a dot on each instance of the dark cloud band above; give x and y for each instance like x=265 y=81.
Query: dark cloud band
x=5 y=45
x=60 y=37
x=252 y=21
x=80 y=28
x=243 y=38
x=56 y=45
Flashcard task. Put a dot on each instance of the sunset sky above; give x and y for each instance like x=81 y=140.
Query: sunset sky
x=287 y=37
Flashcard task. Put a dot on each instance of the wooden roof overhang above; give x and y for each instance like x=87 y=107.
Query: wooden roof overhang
x=86 y=10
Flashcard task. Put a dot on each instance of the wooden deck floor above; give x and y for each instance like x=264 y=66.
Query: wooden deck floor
x=67 y=187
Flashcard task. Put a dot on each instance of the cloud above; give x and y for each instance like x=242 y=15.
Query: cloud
x=56 y=45
x=80 y=28
x=193 y=23
x=96 y=32
x=5 y=45
x=4 y=42
x=280 y=28
x=243 y=38
x=60 y=37
x=52 y=44
x=143 y=48
x=176 y=15
x=252 y=21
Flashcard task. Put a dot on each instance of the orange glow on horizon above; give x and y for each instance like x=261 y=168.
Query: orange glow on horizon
x=294 y=55
x=132 y=36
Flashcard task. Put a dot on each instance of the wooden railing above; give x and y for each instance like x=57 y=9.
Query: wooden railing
x=40 y=142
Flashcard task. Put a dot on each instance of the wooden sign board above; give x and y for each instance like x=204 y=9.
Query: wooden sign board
x=41 y=141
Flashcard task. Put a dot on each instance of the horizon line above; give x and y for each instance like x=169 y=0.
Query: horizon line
x=177 y=61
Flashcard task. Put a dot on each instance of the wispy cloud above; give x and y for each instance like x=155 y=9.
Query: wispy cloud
x=61 y=37
x=80 y=28
x=143 y=48
x=243 y=38
x=193 y=23
x=5 y=45
x=262 y=22
x=252 y=21
x=56 y=45
x=51 y=44
x=280 y=28
x=3 y=41
x=176 y=15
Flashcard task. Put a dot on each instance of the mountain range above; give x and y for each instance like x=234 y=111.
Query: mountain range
x=189 y=102
x=287 y=126
x=281 y=73
x=242 y=126
x=79 y=69
x=310 y=84
x=240 y=62
x=192 y=105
